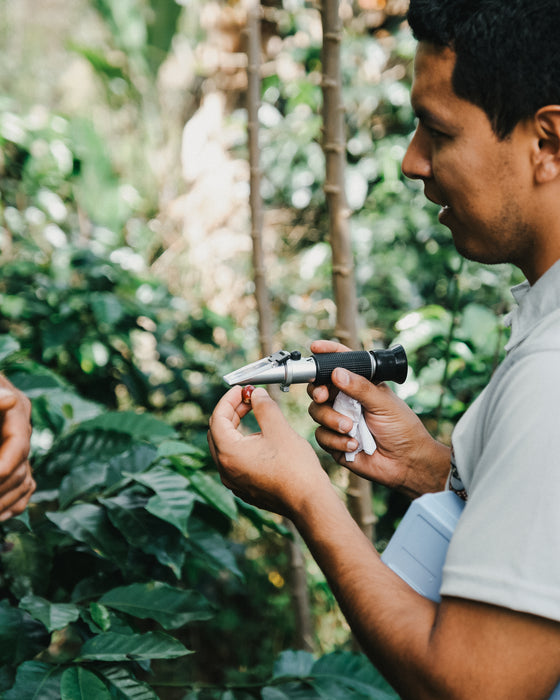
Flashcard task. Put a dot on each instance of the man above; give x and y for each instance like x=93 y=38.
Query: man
x=487 y=148
x=16 y=479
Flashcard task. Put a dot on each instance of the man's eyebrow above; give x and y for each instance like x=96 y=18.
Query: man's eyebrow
x=426 y=117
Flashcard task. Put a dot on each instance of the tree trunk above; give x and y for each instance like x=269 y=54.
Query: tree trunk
x=297 y=579
x=344 y=286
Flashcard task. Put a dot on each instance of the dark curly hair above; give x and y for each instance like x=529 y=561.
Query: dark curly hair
x=508 y=53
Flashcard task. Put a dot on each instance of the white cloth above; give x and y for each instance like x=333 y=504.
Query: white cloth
x=507 y=452
x=353 y=409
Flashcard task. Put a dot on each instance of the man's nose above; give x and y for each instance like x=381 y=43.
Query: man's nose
x=417 y=164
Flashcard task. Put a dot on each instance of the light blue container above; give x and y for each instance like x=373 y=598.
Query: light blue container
x=417 y=550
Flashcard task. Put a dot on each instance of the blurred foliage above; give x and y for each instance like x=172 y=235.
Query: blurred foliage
x=127 y=507
x=76 y=293
x=123 y=370
x=124 y=551
x=298 y=675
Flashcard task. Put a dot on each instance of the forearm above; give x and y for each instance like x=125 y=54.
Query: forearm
x=455 y=650
x=392 y=623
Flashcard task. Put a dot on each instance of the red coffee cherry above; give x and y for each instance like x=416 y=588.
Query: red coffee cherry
x=246 y=394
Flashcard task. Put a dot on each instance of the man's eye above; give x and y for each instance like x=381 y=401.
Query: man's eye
x=431 y=131
x=435 y=133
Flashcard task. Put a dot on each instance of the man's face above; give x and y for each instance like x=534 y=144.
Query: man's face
x=483 y=184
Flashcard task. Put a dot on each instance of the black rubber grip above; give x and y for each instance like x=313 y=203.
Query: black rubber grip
x=359 y=361
x=377 y=366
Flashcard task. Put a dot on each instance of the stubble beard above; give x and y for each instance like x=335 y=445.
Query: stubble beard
x=508 y=240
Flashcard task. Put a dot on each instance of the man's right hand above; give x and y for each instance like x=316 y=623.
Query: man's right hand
x=407 y=458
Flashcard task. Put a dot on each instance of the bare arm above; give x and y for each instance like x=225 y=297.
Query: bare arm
x=16 y=479
x=458 y=649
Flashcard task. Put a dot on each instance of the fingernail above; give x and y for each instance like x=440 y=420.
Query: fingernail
x=345 y=426
x=351 y=445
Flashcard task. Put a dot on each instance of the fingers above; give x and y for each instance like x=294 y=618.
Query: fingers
x=268 y=414
x=335 y=442
x=322 y=393
x=16 y=479
x=332 y=433
x=226 y=418
x=16 y=491
x=15 y=431
x=355 y=386
x=378 y=401
x=325 y=415
x=7 y=399
x=373 y=397
x=319 y=346
x=238 y=456
x=229 y=411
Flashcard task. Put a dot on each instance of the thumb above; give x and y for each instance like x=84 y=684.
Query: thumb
x=267 y=412
x=374 y=398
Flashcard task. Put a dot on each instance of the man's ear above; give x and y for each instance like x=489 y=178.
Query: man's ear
x=547 y=152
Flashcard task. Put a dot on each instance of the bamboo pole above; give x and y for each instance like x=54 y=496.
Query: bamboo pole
x=344 y=286
x=255 y=199
x=297 y=579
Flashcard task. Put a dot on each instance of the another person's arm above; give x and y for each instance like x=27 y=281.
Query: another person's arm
x=16 y=478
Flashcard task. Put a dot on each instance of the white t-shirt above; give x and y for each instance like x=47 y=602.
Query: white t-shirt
x=506 y=547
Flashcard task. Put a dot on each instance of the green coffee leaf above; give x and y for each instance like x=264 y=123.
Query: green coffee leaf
x=111 y=646
x=169 y=606
x=78 y=683
x=35 y=680
x=54 y=616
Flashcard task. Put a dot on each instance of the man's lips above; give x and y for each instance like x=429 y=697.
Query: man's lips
x=436 y=200
x=445 y=208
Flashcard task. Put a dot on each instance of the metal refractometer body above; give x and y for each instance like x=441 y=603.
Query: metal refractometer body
x=287 y=368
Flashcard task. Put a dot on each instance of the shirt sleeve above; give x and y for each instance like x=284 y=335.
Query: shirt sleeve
x=506 y=547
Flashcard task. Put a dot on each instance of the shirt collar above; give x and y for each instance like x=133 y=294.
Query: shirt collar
x=533 y=304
